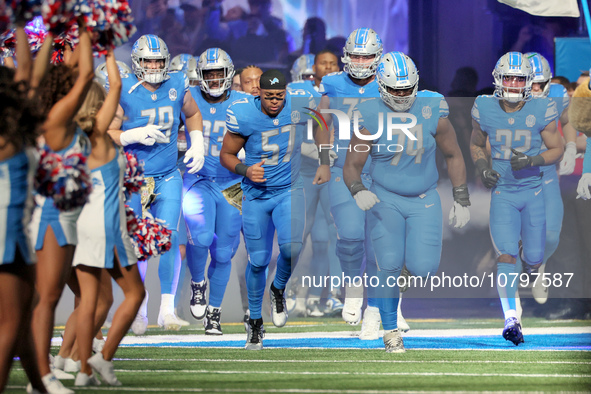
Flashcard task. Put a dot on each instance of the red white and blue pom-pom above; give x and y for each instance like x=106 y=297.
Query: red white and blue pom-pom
x=12 y=10
x=133 y=179
x=66 y=180
x=69 y=38
x=7 y=44
x=61 y=15
x=148 y=236
x=36 y=33
x=112 y=24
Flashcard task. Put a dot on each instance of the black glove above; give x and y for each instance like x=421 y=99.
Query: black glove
x=488 y=176
x=461 y=195
x=520 y=160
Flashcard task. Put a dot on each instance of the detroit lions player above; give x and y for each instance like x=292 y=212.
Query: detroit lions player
x=541 y=87
x=404 y=220
x=273 y=196
x=212 y=223
x=147 y=125
x=187 y=64
x=343 y=91
x=516 y=126
x=319 y=222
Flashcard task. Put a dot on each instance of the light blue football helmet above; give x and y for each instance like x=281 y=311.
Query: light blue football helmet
x=364 y=41
x=397 y=71
x=542 y=72
x=187 y=64
x=513 y=64
x=150 y=47
x=302 y=67
x=215 y=59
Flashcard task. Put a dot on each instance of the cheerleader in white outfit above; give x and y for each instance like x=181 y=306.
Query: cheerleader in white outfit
x=103 y=241
x=20 y=124
x=54 y=233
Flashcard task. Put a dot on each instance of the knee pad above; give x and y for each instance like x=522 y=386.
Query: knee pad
x=224 y=254
x=290 y=250
x=204 y=239
x=259 y=260
x=552 y=240
x=533 y=256
x=349 y=249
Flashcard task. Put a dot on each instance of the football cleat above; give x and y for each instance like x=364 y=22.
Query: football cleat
x=353 y=302
x=313 y=308
x=169 y=322
x=539 y=291
x=333 y=306
x=278 y=306
x=370 y=326
x=212 y=321
x=104 y=368
x=512 y=331
x=198 y=301
x=182 y=322
x=393 y=342
x=255 y=334
x=140 y=323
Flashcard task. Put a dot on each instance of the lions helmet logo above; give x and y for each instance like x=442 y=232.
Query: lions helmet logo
x=274 y=81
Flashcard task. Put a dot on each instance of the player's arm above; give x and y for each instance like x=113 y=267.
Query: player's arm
x=232 y=144
x=447 y=142
x=554 y=142
x=352 y=169
x=110 y=107
x=145 y=135
x=480 y=157
x=66 y=108
x=195 y=155
x=567 y=165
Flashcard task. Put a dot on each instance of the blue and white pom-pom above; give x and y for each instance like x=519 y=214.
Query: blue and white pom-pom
x=148 y=236
x=66 y=180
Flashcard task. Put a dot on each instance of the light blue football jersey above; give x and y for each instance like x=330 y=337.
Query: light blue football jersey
x=399 y=164
x=344 y=95
x=163 y=108
x=274 y=139
x=518 y=130
x=308 y=166
x=214 y=128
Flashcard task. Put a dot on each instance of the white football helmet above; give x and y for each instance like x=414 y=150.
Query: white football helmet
x=215 y=59
x=513 y=64
x=101 y=75
x=149 y=47
x=187 y=64
x=542 y=72
x=302 y=66
x=365 y=42
x=397 y=71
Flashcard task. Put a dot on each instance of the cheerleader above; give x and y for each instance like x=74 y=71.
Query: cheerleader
x=103 y=240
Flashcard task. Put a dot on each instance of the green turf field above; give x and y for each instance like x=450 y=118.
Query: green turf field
x=285 y=370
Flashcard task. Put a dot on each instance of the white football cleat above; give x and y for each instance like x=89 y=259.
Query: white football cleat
x=353 y=302
x=393 y=342
x=182 y=322
x=538 y=290
x=140 y=323
x=278 y=306
x=169 y=322
x=370 y=326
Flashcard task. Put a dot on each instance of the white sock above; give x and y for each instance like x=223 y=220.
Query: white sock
x=511 y=313
x=167 y=304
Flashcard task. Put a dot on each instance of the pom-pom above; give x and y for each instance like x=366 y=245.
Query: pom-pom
x=148 y=236
x=12 y=11
x=61 y=15
x=134 y=175
x=66 y=179
x=112 y=24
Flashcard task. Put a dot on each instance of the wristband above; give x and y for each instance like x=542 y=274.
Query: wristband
x=356 y=187
x=461 y=195
x=482 y=165
x=537 y=160
x=324 y=157
x=241 y=169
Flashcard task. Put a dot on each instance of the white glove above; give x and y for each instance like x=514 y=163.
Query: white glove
x=583 y=188
x=241 y=155
x=196 y=152
x=332 y=156
x=146 y=135
x=366 y=199
x=567 y=165
x=310 y=150
x=460 y=215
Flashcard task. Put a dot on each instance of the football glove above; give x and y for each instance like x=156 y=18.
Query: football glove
x=196 y=153
x=146 y=135
x=567 y=165
x=583 y=188
x=520 y=160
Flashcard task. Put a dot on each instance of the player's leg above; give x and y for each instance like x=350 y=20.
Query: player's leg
x=505 y=229
x=318 y=267
x=222 y=250
x=533 y=229
x=167 y=207
x=289 y=219
x=199 y=208
x=554 y=215
x=258 y=230
x=386 y=227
